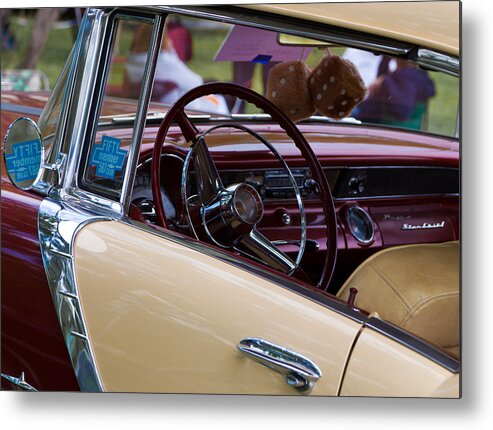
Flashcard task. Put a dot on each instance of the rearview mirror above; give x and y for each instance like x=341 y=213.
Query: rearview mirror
x=291 y=40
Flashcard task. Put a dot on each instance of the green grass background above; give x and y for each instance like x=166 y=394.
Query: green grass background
x=442 y=108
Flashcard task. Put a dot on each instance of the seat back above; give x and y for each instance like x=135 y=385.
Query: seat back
x=415 y=287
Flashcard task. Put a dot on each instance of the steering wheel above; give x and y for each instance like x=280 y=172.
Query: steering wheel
x=229 y=215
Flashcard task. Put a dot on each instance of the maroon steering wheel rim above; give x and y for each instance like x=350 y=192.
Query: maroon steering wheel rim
x=177 y=113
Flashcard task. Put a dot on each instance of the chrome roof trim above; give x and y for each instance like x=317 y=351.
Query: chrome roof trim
x=437 y=61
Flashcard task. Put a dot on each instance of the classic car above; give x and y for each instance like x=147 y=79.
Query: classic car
x=187 y=245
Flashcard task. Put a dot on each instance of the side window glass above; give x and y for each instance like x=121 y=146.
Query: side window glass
x=107 y=158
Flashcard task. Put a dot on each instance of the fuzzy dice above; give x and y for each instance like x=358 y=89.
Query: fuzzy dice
x=336 y=87
x=287 y=88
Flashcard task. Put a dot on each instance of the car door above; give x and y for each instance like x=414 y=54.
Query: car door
x=144 y=311
x=163 y=317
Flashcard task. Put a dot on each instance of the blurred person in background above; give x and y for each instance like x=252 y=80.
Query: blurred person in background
x=44 y=20
x=7 y=41
x=173 y=77
x=397 y=97
x=368 y=64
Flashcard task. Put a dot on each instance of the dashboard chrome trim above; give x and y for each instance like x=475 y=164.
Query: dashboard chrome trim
x=355 y=168
x=367 y=217
x=397 y=196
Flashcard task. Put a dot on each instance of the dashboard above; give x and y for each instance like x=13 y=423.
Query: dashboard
x=351 y=182
x=376 y=207
x=390 y=187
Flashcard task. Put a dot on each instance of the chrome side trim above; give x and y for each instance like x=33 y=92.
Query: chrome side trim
x=19 y=382
x=26 y=110
x=60 y=217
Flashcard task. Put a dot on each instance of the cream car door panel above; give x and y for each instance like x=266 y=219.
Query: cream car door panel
x=379 y=366
x=163 y=317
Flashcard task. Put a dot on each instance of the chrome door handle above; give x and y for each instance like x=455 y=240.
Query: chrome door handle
x=299 y=372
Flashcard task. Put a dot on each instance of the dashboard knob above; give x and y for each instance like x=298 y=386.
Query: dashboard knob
x=286 y=218
x=310 y=184
x=356 y=185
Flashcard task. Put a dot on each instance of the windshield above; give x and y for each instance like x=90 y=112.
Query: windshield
x=371 y=89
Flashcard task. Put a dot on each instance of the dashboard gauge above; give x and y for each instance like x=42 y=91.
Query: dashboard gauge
x=360 y=224
x=142 y=198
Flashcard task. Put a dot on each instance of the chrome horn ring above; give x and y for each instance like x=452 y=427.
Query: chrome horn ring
x=238 y=210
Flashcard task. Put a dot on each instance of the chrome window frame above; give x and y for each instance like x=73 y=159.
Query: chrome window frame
x=86 y=64
x=124 y=194
x=81 y=103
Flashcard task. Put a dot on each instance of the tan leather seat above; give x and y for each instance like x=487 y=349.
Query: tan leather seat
x=415 y=287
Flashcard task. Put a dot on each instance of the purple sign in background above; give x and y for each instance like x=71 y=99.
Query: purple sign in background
x=250 y=44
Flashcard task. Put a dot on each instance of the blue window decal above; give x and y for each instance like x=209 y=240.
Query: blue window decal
x=24 y=161
x=107 y=157
x=262 y=59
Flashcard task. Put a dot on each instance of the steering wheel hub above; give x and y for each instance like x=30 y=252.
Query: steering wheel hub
x=246 y=204
x=234 y=215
